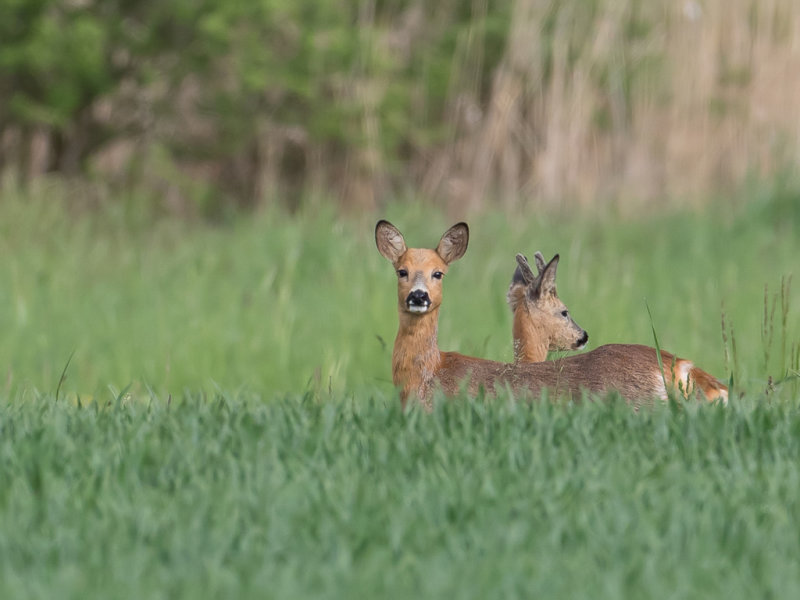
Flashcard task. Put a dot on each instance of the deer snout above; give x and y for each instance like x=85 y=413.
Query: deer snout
x=418 y=301
x=581 y=343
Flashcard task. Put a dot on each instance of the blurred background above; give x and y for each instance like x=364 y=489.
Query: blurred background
x=201 y=107
x=189 y=187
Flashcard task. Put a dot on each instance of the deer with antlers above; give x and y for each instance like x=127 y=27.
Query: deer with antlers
x=543 y=323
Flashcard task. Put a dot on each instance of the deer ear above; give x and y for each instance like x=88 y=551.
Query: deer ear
x=547 y=285
x=524 y=273
x=389 y=240
x=540 y=264
x=454 y=242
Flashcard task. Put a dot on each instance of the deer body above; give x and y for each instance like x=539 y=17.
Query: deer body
x=631 y=369
x=622 y=368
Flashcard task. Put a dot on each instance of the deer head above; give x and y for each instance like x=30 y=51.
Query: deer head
x=542 y=322
x=419 y=270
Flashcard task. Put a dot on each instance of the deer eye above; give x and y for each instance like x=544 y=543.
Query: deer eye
x=437 y=275
x=565 y=313
x=402 y=273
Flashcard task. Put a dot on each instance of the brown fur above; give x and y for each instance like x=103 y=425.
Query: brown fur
x=621 y=368
x=636 y=374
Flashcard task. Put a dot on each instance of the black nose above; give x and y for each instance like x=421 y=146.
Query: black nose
x=584 y=339
x=418 y=298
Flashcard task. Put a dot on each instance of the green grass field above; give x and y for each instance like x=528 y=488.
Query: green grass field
x=293 y=498
x=227 y=425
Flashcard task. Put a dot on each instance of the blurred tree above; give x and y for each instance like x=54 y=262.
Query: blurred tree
x=256 y=98
x=206 y=105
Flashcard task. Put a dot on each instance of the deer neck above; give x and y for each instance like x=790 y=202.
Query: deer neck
x=416 y=357
x=530 y=339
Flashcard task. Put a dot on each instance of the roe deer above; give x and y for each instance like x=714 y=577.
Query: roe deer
x=416 y=358
x=542 y=323
x=419 y=367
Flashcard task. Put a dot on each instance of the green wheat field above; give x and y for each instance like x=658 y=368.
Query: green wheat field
x=206 y=411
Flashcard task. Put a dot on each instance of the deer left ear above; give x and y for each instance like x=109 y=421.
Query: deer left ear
x=454 y=242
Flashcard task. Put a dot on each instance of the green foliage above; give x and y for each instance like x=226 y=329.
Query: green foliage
x=52 y=59
x=228 y=496
x=215 y=77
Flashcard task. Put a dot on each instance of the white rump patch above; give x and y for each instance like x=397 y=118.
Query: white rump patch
x=681 y=377
x=684 y=367
x=659 y=387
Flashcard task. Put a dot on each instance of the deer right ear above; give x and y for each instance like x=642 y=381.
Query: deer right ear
x=454 y=242
x=389 y=240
